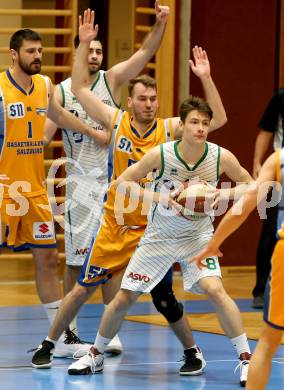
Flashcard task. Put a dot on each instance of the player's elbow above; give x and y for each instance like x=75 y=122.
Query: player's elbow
x=224 y=120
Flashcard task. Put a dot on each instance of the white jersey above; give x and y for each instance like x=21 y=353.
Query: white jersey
x=89 y=156
x=170 y=238
x=86 y=172
x=174 y=172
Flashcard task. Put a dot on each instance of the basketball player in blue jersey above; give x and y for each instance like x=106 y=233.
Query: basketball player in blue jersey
x=87 y=165
x=26 y=99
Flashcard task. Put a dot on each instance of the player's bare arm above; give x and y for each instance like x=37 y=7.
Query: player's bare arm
x=261 y=145
x=127 y=184
x=97 y=110
x=50 y=127
x=230 y=165
x=63 y=118
x=126 y=70
x=200 y=66
x=232 y=221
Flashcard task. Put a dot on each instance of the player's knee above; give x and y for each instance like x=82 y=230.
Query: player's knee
x=216 y=293
x=123 y=300
x=48 y=260
x=166 y=303
x=81 y=293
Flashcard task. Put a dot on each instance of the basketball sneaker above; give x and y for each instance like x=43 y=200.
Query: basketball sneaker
x=43 y=356
x=114 y=347
x=194 y=362
x=70 y=346
x=243 y=366
x=91 y=363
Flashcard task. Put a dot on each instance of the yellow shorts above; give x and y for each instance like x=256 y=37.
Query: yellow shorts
x=274 y=303
x=27 y=223
x=110 y=251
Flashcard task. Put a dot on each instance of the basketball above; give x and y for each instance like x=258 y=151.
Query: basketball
x=193 y=199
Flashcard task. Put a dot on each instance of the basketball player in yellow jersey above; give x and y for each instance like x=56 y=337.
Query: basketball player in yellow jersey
x=273 y=315
x=26 y=98
x=132 y=136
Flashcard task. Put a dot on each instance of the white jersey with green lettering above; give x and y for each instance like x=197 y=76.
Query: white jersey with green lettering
x=86 y=172
x=174 y=172
x=169 y=237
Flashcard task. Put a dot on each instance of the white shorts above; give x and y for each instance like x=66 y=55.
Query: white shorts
x=152 y=260
x=83 y=213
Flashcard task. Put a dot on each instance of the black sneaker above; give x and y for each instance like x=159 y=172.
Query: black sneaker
x=70 y=346
x=258 y=302
x=194 y=362
x=43 y=356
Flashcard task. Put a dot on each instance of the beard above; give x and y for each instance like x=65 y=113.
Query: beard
x=30 y=69
x=93 y=71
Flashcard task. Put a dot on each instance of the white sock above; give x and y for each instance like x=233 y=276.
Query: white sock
x=50 y=340
x=51 y=309
x=73 y=325
x=194 y=346
x=240 y=344
x=101 y=343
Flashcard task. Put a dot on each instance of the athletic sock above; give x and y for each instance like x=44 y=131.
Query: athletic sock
x=51 y=309
x=194 y=346
x=101 y=343
x=73 y=325
x=50 y=340
x=241 y=344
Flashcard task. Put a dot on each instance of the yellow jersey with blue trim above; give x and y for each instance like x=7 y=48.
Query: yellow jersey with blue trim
x=22 y=118
x=280 y=179
x=127 y=147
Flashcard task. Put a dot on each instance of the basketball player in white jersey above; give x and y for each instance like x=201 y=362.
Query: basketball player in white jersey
x=87 y=164
x=171 y=238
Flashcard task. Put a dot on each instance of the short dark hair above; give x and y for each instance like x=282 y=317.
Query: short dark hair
x=144 y=79
x=19 y=36
x=76 y=41
x=194 y=103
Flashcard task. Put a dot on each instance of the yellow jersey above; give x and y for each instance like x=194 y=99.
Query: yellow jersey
x=22 y=118
x=127 y=147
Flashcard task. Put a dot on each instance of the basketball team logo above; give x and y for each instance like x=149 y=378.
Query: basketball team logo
x=43 y=230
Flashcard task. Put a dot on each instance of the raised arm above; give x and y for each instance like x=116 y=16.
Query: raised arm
x=126 y=70
x=94 y=107
x=201 y=68
x=63 y=118
x=50 y=127
x=232 y=220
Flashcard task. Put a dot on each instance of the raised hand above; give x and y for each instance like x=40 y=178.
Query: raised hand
x=162 y=12
x=87 y=31
x=200 y=66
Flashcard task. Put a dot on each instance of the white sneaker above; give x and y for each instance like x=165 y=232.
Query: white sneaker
x=70 y=346
x=115 y=346
x=244 y=367
x=91 y=363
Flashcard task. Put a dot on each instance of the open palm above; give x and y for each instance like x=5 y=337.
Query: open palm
x=87 y=30
x=200 y=66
